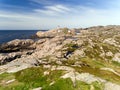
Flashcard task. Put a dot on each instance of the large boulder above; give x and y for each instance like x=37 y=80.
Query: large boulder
x=16 y=45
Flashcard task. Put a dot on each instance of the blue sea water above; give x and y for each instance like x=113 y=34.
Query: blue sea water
x=8 y=35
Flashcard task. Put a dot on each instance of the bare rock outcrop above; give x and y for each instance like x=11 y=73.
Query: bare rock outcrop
x=16 y=45
x=56 y=32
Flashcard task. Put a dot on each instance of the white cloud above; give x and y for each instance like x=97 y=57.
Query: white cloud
x=53 y=15
x=58 y=8
x=54 y=10
x=46 y=12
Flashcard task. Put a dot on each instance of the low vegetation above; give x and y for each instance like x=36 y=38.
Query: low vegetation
x=29 y=78
x=34 y=77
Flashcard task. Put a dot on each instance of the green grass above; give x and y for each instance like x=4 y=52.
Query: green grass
x=29 y=78
x=92 y=62
x=61 y=84
x=11 y=86
x=67 y=84
x=15 y=86
x=93 y=66
x=82 y=86
x=33 y=78
x=6 y=76
x=116 y=63
x=54 y=75
x=30 y=75
x=107 y=75
x=98 y=85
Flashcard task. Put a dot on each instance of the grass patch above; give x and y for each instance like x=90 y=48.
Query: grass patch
x=61 y=84
x=35 y=77
x=6 y=76
x=82 y=86
x=30 y=75
x=116 y=63
x=54 y=75
x=107 y=75
x=98 y=85
x=100 y=63
x=92 y=62
x=15 y=86
x=30 y=78
x=71 y=47
x=67 y=84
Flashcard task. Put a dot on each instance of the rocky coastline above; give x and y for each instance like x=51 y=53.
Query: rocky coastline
x=84 y=54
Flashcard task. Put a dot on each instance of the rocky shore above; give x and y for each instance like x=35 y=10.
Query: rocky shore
x=85 y=55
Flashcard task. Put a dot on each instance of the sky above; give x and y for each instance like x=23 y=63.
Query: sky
x=48 y=14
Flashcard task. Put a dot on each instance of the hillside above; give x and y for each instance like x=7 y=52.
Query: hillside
x=63 y=59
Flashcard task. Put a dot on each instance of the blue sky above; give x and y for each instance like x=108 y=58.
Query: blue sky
x=48 y=14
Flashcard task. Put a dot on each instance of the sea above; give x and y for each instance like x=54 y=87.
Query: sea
x=8 y=35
